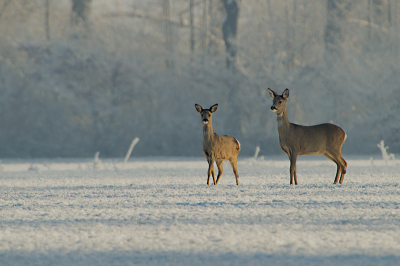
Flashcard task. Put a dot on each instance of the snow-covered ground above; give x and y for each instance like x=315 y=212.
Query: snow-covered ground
x=159 y=211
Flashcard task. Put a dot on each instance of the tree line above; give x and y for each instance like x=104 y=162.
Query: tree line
x=79 y=77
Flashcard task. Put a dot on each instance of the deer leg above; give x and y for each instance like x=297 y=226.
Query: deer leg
x=338 y=169
x=293 y=159
x=233 y=162
x=338 y=172
x=338 y=165
x=210 y=171
x=341 y=166
x=344 y=167
x=341 y=177
x=220 y=170
x=213 y=172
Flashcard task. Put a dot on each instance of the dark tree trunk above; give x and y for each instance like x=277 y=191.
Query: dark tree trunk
x=215 y=26
x=333 y=54
x=80 y=11
x=332 y=34
x=229 y=31
x=168 y=34
x=46 y=19
x=204 y=29
x=191 y=18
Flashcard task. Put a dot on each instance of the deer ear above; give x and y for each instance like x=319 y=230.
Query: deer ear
x=272 y=93
x=214 y=108
x=285 y=94
x=198 y=108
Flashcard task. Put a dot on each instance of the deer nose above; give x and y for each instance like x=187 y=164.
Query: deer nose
x=273 y=108
x=205 y=121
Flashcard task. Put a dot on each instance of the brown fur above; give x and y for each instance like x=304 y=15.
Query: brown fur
x=324 y=139
x=217 y=148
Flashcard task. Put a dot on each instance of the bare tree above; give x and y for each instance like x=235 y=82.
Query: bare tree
x=168 y=32
x=229 y=31
x=332 y=34
x=333 y=54
x=204 y=26
x=191 y=18
x=47 y=18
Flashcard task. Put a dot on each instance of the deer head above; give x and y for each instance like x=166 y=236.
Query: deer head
x=206 y=114
x=279 y=101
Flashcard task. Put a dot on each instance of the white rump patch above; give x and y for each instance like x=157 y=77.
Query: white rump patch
x=237 y=142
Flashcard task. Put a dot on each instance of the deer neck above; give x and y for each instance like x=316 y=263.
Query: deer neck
x=283 y=121
x=208 y=133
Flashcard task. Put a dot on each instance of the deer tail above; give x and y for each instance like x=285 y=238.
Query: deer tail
x=238 y=143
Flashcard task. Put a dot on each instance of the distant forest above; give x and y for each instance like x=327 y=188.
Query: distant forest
x=80 y=76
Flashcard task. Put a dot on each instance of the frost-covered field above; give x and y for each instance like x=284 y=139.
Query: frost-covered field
x=159 y=211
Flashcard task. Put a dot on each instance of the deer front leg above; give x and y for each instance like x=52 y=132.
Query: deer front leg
x=220 y=170
x=293 y=159
x=213 y=172
x=210 y=170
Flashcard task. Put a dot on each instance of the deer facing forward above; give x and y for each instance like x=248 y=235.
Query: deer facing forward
x=217 y=148
x=326 y=139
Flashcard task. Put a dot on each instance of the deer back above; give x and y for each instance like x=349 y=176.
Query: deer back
x=311 y=139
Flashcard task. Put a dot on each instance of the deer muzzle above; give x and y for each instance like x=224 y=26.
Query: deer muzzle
x=273 y=108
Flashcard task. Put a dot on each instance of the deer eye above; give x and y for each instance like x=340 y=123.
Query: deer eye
x=280 y=101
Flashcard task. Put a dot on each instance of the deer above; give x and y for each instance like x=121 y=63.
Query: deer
x=217 y=148
x=324 y=139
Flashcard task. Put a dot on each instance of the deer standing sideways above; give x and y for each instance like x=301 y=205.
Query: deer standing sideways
x=217 y=148
x=326 y=139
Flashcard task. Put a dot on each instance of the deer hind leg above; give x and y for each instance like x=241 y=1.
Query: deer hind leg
x=338 y=173
x=338 y=166
x=344 y=167
x=233 y=162
x=341 y=166
x=220 y=170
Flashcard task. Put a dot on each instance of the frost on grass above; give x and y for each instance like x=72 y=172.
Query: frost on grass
x=160 y=211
